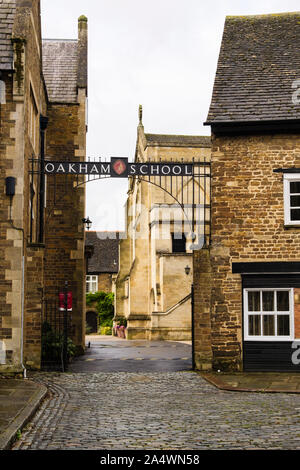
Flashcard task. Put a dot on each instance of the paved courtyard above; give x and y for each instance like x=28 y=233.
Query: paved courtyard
x=111 y=354
x=173 y=410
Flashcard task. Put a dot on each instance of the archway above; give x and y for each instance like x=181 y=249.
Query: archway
x=187 y=183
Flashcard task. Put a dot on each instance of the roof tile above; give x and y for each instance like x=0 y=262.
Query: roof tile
x=105 y=258
x=259 y=61
x=60 y=68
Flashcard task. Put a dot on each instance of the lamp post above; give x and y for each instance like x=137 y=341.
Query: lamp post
x=187 y=272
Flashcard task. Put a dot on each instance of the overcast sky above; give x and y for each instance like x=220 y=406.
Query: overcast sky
x=158 y=53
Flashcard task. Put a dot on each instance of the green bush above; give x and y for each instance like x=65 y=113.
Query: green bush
x=104 y=306
x=105 y=330
x=52 y=344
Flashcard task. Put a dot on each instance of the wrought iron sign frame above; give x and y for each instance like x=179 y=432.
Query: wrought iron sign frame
x=160 y=174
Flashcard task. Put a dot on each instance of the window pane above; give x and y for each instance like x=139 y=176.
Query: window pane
x=268 y=301
x=254 y=301
x=295 y=214
x=178 y=242
x=283 y=325
x=254 y=325
x=295 y=187
x=295 y=201
x=268 y=325
x=283 y=301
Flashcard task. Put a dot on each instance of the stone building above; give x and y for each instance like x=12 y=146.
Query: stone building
x=103 y=264
x=247 y=281
x=65 y=72
x=102 y=268
x=153 y=288
x=27 y=105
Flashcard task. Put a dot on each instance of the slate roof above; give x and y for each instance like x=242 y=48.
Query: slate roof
x=60 y=68
x=164 y=140
x=258 y=62
x=7 y=14
x=105 y=258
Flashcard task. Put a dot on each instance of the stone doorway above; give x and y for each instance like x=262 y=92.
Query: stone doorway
x=92 y=321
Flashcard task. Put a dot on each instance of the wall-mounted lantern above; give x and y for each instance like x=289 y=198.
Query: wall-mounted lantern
x=187 y=270
x=87 y=222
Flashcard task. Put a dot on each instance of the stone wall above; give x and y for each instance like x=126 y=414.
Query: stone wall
x=21 y=277
x=64 y=230
x=105 y=282
x=7 y=243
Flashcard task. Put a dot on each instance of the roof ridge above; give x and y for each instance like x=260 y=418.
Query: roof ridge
x=177 y=135
x=264 y=15
x=59 y=40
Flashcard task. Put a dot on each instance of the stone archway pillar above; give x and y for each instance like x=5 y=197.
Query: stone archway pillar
x=202 y=309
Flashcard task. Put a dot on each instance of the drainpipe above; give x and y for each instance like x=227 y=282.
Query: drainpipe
x=193 y=326
x=22 y=313
x=43 y=127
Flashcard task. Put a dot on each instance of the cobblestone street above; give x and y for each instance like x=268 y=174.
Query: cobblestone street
x=158 y=410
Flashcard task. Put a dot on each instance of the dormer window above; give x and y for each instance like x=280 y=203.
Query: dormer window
x=291 y=184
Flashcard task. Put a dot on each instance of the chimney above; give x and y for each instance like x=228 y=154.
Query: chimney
x=82 y=78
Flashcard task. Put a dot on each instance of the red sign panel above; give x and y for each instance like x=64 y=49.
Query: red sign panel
x=62 y=299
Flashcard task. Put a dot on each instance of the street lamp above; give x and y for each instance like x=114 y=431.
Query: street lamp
x=88 y=223
x=187 y=270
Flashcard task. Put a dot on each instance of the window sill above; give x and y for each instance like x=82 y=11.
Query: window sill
x=268 y=338
x=288 y=226
x=35 y=245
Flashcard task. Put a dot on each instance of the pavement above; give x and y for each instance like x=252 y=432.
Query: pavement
x=158 y=411
x=267 y=382
x=19 y=400
x=113 y=354
x=144 y=395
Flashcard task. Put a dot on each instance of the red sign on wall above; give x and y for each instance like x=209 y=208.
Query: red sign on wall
x=62 y=306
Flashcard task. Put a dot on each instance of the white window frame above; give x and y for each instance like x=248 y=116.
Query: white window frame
x=248 y=337
x=287 y=179
x=90 y=281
